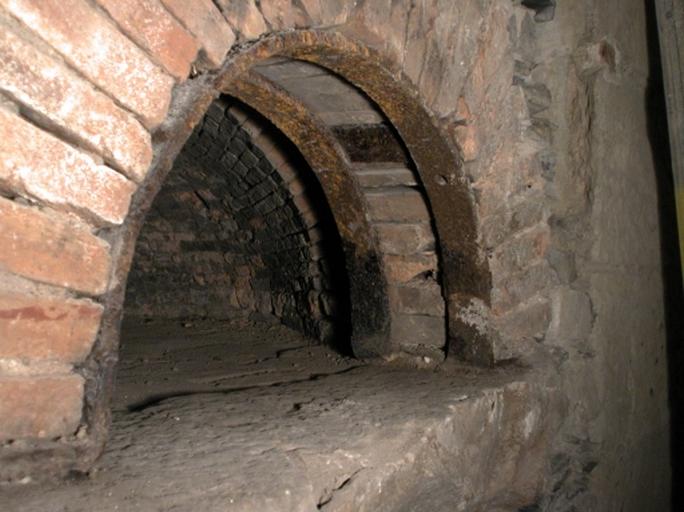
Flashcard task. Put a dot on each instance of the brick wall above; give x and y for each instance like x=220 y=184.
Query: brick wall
x=96 y=99
x=227 y=236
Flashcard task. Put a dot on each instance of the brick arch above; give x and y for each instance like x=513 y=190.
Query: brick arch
x=465 y=274
x=240 y=231
x=71 y=222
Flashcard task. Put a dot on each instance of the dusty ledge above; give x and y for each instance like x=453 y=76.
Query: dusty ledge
x=293 y=427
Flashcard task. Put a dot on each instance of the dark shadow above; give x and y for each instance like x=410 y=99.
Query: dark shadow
x=332 y=246
x=672 y=272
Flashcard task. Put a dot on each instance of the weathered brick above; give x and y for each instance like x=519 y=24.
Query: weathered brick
x=205 y=21
x=93 y=45
x=397 y=206
x=527 y=322
x=47 y=87
x=40 y=407
x=510 y=290
x=403 y=239
x=384 y=176
x=413 y=330
x=284 y=14
x=245 y=16
x=402 y=269
x=521 y=250
x=153 y=28
x=35 y=328
x=48 y=249
x=417 y=299
x=36 y=164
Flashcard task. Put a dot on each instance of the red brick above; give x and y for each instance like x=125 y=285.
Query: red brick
x=48 y=249
x=245 y=17
x=46 y=86
x=93 y=45
x=40 y=407
x=35 y=328
x=36 y=164
x=205 y=21
x=153 y=28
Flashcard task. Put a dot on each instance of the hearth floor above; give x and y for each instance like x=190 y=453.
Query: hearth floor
x=213 y=417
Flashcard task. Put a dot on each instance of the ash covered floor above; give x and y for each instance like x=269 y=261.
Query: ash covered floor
x=213 y=417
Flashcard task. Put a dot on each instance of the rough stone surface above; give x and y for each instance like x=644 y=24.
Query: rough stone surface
x=34 y=328
x=153 y=28
x=53 y=410
x=197 y=424
x=39 y=166
x=98 y=50
x=49 y=89
x=62 y=253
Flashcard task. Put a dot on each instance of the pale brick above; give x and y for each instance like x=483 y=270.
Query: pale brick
x=40 y=407
x=521 y=250
x=511 y=290
x=47 y=87
x=205 y=21
x=417 y=299
x=38 y=165
x=527 y=322
x=35 y=328
x=414 y=330
x=153 y=28
x=402 y=269
x=404 y=239
x=93 y=45
x=36 y=245
x=397 y=206
x=284 y=14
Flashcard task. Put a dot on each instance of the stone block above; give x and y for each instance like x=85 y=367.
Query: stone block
x=511 y=290
x=48 y=88
x=35 y=164
x=403 y=269
x=384 y=176
x=40 y=407
x=572 y=316
x=95 y=47
x=528 y=322
x=404 y=239
x=394 y=205
x=156 y=30
x=423 y=298
x=521 y=250
x=43 y=329
x=206 y=23
x=418 y=330
x=49 y=249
